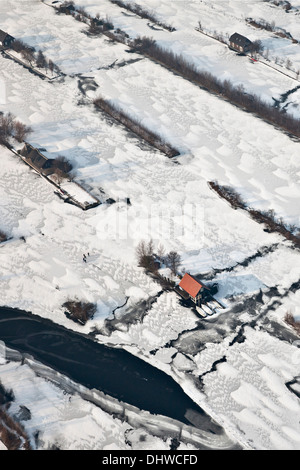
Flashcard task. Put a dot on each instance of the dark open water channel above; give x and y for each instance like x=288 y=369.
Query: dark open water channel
x=113 y=371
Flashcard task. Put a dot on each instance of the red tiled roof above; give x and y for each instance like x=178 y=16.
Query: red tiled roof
x=190 y=285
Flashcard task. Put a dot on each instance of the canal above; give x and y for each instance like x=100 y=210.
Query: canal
x=113 y=371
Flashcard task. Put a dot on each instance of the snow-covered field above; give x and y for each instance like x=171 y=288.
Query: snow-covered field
x=170 y=202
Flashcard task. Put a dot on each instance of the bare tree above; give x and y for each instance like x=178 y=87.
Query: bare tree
x=21 y=131
x=79 y=310
x=288 y=64
x=28 y=55
x=51 y=65
x=7 y=125
x=256 y=47
x=173 y=261
x=63 y=164
x=41 y=61
x=144 y=252
x=161 y=251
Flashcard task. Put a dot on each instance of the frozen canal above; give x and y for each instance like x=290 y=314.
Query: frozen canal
x=113 y=371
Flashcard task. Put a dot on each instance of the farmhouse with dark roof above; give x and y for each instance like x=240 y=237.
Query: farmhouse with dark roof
x=239 y=43
x=43 y=165
x=5 y=39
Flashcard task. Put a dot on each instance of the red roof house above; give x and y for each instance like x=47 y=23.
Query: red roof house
x=192 y=287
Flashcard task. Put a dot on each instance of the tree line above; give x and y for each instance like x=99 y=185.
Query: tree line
x=224 y=88
x=33 y=57
x=143 y=13
x=136 y=126
x=268 y=218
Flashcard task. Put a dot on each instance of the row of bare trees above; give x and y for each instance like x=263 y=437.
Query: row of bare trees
x=268 y=218
x=234 y=93
x=10 y=127
x=3 y=236
x=285 y=4
x=290 y=320
x=33 y=57
x=134 y=125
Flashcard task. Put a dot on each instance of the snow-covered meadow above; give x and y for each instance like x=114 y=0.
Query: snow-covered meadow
x=170 y=202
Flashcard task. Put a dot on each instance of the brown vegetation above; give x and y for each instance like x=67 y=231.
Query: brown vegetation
x=285 y=4
x=262 y=24
x=11 y=128
x=228 y=193
x=63 y=164
x=145 y=256
x=173 y=261
x=143 y=13
x=3 y=236
x=134 y=125
x=12 y=433
x=290 y=320
x=79 y=311
x=268 y=218
x=33 y=57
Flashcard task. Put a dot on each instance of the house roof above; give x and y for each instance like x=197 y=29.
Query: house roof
x=239 y=39
x=190 y=285
x=34 y=156
x=41 y=163
x=4 y=35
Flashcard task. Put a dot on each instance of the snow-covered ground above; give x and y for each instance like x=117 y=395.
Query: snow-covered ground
x=170 y=202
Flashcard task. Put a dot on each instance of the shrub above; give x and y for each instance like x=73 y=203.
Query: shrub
x=12 y=433
x=145 y=256
x=228 y=193
x=290 y=320
x=63 y=164
x=6 y=396
x=79 y=311
x=3 y=236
